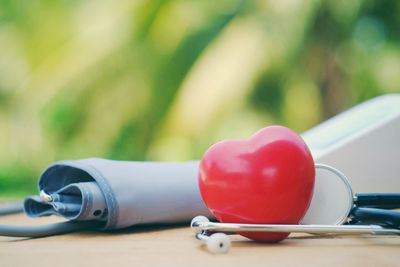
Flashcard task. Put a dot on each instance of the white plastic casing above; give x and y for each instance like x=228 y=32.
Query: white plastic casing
x=364 y=143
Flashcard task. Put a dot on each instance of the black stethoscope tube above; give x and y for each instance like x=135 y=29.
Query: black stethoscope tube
x=374 y=208
x=382 y=201
x=386 y=218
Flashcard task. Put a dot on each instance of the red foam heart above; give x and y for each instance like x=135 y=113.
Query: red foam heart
x=267 y=179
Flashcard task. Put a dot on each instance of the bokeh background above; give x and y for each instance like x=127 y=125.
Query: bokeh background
x=163 y=80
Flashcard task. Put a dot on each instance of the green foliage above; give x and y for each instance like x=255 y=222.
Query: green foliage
x=162 y=80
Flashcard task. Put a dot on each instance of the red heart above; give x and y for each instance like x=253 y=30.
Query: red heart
x=267 y=179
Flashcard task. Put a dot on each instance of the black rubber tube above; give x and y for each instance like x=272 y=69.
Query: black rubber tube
x=383 y=201
x=377 y=216
x=12 y=208
x=49 y=229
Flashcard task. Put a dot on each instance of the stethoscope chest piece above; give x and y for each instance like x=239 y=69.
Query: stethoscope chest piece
x=332 y=198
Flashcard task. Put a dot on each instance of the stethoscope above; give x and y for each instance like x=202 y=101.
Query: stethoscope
x=334 y=209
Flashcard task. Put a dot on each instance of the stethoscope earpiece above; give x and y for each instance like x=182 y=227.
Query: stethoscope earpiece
x=218 y=243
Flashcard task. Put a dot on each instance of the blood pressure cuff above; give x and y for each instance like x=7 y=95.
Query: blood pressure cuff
x=121 y=193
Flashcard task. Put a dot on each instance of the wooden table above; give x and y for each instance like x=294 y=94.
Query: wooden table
x=176 y=246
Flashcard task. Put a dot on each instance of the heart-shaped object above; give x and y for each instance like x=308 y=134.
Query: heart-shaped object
x=267 y=179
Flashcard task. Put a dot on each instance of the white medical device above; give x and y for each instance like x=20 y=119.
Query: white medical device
x=362 y=142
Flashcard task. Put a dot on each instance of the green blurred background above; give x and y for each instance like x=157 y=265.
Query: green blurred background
x=162 y=80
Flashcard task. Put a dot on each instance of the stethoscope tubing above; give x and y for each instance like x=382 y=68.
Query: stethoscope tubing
x=377 y=200
x=382 y=217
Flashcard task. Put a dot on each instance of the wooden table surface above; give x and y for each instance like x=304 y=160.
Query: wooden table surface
x=176 y=246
